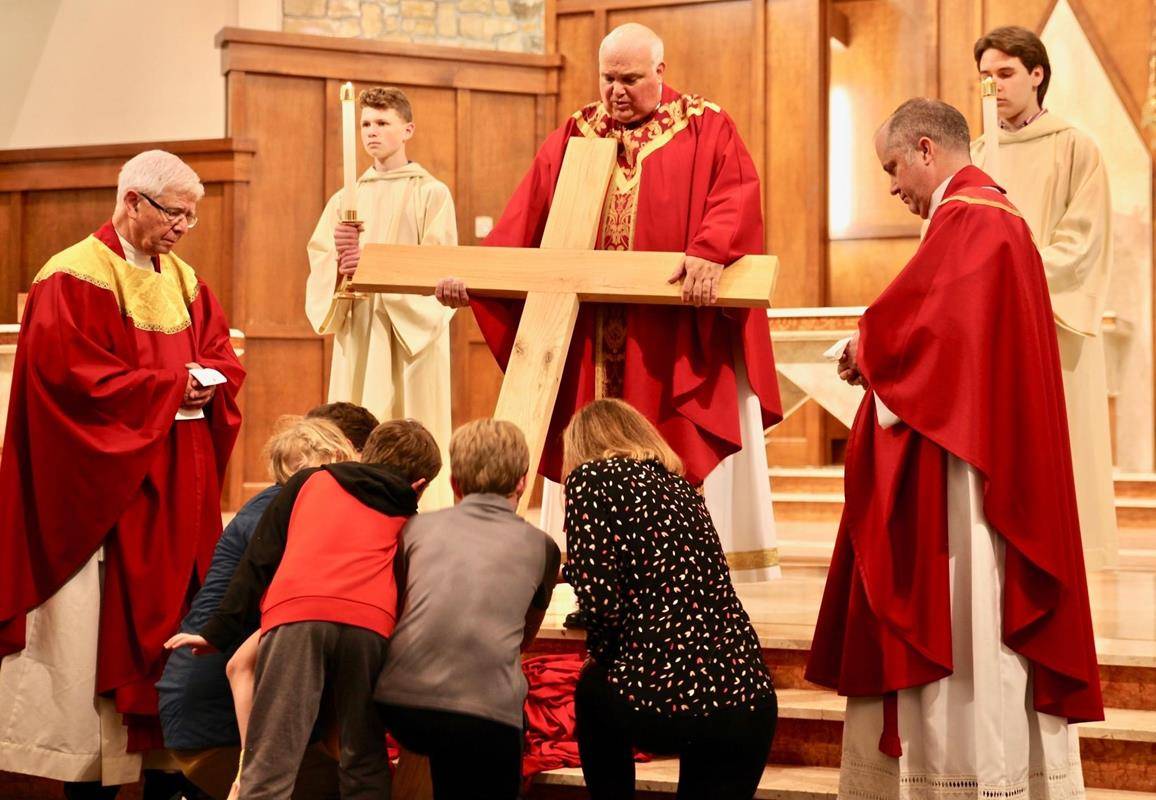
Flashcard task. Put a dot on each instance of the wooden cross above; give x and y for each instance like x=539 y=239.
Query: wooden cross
x=554 y=279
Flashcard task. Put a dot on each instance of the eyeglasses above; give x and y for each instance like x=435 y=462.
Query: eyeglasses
x=172 y=214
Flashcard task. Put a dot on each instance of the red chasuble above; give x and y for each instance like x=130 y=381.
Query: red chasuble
x=684 y=182
x=962 y=348
x=93 y=457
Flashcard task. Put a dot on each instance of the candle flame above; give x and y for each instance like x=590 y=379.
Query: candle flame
x=347 y=92
x=987 y=86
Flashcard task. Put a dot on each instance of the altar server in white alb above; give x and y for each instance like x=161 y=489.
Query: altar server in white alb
x=1054 y=175
x=391 y=352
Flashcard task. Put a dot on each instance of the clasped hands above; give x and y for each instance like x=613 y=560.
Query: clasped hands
x=347 y=239
x=849 y=364
x=699 y=278
x=196 y=396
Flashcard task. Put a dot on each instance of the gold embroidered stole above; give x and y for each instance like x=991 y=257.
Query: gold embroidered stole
x=156 y=302
x=620 y=212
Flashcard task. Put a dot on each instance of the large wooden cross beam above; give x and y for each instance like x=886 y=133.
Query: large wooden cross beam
x=554 y=279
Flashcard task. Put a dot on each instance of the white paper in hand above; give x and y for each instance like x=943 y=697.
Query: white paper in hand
x=206 y=376
x=835 y=351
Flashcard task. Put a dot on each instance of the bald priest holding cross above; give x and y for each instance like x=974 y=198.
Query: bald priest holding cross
x=682 y=187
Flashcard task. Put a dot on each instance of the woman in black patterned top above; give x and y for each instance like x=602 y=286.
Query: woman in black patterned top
x=675 y=666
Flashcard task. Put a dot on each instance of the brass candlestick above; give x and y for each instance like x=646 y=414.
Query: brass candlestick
x=344 y=292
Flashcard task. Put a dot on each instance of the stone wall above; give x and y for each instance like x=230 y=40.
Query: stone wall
x=511 y=25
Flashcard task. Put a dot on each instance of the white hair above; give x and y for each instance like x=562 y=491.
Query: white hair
x=632 y=30
x=155 y=172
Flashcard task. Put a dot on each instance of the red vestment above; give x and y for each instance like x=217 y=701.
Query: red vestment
x=684 y=182
x=93 y=457
x=962 y=348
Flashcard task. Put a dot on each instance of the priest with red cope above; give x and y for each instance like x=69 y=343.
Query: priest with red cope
x=956 y=616
x=705 y=377
x=123 y=414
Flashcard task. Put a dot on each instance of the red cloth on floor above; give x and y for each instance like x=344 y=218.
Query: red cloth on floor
x=550 y=742
x=549 y=709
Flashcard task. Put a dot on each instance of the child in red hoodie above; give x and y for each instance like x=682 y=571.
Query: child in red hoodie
x=323 y=558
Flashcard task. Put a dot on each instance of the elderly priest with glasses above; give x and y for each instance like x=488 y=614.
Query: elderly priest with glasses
x=123 y=414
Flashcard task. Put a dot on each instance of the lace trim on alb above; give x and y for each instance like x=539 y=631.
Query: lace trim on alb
x=860 y=779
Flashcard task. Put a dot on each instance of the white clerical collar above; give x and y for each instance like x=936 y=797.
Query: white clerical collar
x=937 y=197
x=134 y=256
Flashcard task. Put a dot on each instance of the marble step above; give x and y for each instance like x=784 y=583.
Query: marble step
x=811 y=542
x=1117 y=753
x=827 y=506
x=1121 y=724
x=816 y=494
x=659 y=778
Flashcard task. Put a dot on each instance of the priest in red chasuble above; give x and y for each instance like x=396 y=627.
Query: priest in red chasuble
x=683 y=182
x=956 y=616
x=123 y=414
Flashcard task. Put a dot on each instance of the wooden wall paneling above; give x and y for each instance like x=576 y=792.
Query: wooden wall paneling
x=435 y=139
x=286 y=197
x=491 y=166
x=795 y=183
x=1120 y=40
x=297 y=369
x=578 y=38
x=862 y=268
x=960 y=23
x=54 y=220
x=304 y=55
x=1028 y=13
x=883 y=67
x=11 y=244
x=498 y=162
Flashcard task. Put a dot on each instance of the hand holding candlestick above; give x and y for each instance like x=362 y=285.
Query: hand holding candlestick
x=348 y=231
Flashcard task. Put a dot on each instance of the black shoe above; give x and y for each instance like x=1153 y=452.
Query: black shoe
x=576 y=620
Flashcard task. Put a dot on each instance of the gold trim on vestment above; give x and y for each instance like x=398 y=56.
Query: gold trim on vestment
x=620 y=211
x=753 y=559
x=979 y=201
x=152 y=301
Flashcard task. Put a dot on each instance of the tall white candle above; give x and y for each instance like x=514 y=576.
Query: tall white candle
x=348 y=152
x=990 y=128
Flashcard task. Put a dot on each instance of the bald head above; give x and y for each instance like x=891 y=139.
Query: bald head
x=633 y=37
x=630 y=69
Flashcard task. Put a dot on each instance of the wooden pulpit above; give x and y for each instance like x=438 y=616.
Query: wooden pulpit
x=554 y=279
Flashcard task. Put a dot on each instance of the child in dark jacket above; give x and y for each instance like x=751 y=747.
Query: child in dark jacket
x=323 y=560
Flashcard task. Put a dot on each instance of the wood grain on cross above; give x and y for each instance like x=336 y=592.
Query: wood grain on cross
x=554 y=279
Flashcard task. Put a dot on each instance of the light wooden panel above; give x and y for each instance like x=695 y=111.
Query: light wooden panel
x=960 y=21
x=476 y=377
x=862 y=268
x=578 y=39
x=498 y=158
x=58 y=219
x=284 y=378
x=796 y=176
x=304 y=55
x=286 y=196
x=883 y=67
x=11 y=279
x=1028 y=13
